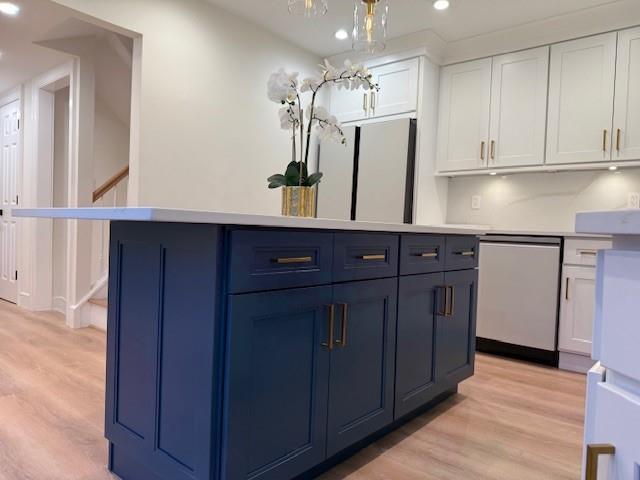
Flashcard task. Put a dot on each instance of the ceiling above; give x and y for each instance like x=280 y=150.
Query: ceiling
x=464 y=19
x=21 y=59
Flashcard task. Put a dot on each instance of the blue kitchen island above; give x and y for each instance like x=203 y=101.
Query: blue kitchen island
x=271 y=348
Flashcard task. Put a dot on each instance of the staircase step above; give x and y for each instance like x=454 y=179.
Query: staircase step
x=102 y=302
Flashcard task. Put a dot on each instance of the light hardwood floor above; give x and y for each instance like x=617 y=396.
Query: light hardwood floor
x=511 y=421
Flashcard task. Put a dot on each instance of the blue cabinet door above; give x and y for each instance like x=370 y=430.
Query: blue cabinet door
x=456 y=329
x=362 y=361
x=277 y=383
x=419 y=299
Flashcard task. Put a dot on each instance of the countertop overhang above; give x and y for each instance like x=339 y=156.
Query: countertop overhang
x=610 y=222
x=152 y=214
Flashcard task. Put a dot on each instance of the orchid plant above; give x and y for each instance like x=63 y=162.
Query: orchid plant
x=285 y=89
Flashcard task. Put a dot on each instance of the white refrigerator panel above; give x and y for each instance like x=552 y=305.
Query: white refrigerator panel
x=334 y=191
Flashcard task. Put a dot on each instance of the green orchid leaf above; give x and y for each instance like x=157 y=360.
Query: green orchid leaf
x=276 y=181
x=314 y=179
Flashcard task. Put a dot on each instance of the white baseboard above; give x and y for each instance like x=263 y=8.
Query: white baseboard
x=575 y=363
x=98 y=317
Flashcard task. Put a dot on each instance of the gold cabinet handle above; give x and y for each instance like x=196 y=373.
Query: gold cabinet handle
x=289 y=260
x=482 y=145
x=373 y=103
x=493 y=149
x=441 y=290
x=365 y=103
x=605 y=134
x=373 y=257
x=450 y=298
x=469 y=253
x=566 y=289
x=593 y=453
x=345 y=322
x=618 y=137
x=428 y=255
x=591 y=253
x=332 y=322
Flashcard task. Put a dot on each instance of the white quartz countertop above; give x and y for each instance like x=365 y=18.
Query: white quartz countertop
x=613 y=222
x=151 y=214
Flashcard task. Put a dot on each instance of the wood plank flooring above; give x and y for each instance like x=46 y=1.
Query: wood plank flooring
x=511 y=421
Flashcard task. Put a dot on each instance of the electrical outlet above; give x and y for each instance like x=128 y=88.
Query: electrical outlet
x=476 y=202
x=633 y=200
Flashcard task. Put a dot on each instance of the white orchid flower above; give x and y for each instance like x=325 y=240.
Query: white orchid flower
x=310 y=84
x=289 y=117
x=282 y=87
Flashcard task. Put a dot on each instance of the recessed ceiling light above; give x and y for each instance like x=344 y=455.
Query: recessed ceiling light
x=342 y=34
x=9 y=8
x=441 y=4
x=613 y=168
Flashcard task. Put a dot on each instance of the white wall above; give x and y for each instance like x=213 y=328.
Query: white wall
x=539 y=201
x=111 y=143
x=209 y=137
x=60 y=197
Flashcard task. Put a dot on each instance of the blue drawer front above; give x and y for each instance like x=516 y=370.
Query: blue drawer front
x=462 y=253
x=362 y=256
x=271 y=260
x=422 y=254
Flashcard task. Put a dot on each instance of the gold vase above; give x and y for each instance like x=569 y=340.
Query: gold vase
x=299 y=201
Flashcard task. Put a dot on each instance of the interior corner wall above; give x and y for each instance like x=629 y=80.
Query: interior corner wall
x=209 y=137
x=539 y=201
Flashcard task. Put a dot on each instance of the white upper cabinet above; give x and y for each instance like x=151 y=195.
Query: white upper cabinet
x=398 y=94
x=463 y=131
x=581 y=95
x=626 y=120
x=519 y=108
x=398 y=88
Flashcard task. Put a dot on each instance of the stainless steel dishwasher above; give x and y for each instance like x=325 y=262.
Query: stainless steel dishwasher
x=518 y=297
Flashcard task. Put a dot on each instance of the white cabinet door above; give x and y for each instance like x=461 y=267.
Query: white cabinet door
x=398 y=84
x=463 y=131
x=519 y=108
x=348 y=105
x=581 y=89
x=626 y=121
x=613 y=418
x=577 y=309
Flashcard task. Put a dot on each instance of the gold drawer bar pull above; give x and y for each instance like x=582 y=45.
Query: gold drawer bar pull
x=373 y=257
x=428 y=255
x=592 y=253
x=285 y=261
x=593 y=452
x=470 y=253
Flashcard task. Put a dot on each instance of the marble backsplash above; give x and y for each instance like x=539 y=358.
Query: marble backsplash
x=538 y=201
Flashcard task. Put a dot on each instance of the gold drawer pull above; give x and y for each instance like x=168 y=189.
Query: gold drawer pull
x=469 y=253
x=332 y=320
x=345 y=322
x=289 y=260
x=592 y=253
x=373 y=257
x=428 y=255
x=593 y=453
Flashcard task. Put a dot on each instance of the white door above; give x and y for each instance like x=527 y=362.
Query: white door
x=349 y=105
x=626 y=120
x=10 y=133
x=463 y=130
x=519 y=108
x=581 y=88
x=577 y=310
x=398 y=84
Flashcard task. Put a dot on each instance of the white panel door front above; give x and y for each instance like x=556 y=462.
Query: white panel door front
x=581 y=89
x=463 y=130
x=398 y=84
x=577 y=310
x=626 y=121
x=519 y=108
x=9 y=143
x=349 y=105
